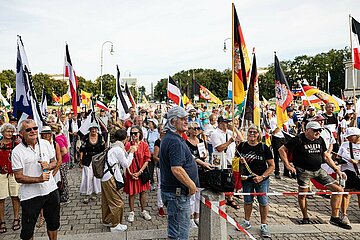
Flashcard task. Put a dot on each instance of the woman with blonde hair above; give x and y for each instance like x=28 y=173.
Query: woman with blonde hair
x=8 y=185
x=257 y=164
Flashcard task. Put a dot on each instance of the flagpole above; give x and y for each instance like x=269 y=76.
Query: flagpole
x=116 y=94
x=233 y=65
x=352 y=63
x=303 y=91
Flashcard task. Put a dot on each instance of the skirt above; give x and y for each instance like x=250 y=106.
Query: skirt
x=89 y=183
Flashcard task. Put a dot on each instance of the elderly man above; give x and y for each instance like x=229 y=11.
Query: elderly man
x=179 y=174
x=309 y=150
x=32 y=161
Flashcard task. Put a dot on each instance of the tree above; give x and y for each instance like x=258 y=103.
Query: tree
x=160 y=90
x=108 y=85
x=7 y=77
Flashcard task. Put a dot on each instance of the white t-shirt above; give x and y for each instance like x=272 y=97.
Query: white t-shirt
x=26 y=158
x=116 y=156
x=218 y=137
x=344 y=151
x=209 y=129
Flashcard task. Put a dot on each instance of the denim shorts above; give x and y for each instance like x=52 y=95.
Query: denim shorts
x=178 y=208
x=250 y=187
x=321 y=176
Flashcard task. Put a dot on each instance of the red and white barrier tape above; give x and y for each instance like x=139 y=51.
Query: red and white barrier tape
x=291 y=193
x=221 y=213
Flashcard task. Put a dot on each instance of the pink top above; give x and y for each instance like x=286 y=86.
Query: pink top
x=61 y=140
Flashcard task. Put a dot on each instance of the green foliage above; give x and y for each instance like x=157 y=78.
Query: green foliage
x=160 y=90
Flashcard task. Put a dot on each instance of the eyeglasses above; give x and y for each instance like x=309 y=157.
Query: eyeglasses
x=134 y=133
x=33 y=128
x=317 y=130
x=252 y=132
x=195 y=128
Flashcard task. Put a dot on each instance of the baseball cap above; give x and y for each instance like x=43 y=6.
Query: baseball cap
x=311 y=108
x=176 y=111
x=222 y=119
x=351 y=131
x=313 y=125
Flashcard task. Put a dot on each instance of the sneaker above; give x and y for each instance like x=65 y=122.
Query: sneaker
x=193 y=224
x=345 y=220
x=119 y=228
x=338 y=222
x=246 y=224
x=86 y=200
x=265 y=231
x=161 y=212
x=277 y=176
x=131 y=217
x=145 y=214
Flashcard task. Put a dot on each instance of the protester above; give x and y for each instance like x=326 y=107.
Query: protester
x=209 y=129
x=308 y=115
x=105 y=120
x=179 y=176
x=260 y=161
x=160 y=204
x=92 y=143
x=350 y=153
x=64 y=167
x=32 y=161
x=74 y=125
x=193 y=143
x=133 y=184
x=8 y=185
x=152 y=136
x=131 y=120
x=308 y=151
x=112 y=205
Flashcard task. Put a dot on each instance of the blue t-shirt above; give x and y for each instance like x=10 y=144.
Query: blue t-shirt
x=175 y=152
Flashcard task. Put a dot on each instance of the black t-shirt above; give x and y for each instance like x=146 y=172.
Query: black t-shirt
x=306 y=154
x=330 y=119
x=306 y=118
x=194 y=149
x=88 y=149
x=255 y=157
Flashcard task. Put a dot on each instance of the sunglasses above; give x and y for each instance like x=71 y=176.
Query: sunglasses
x=317 y=130
x=252 y=132
x=134 y=133
x=196 y=128
x=33 y=128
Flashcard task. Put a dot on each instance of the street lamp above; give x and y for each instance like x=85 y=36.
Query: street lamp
x=101 y=64
x=225 y=49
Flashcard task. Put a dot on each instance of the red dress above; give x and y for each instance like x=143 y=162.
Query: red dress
x=133 y=186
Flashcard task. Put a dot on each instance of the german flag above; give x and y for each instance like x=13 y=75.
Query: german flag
x=241 y=61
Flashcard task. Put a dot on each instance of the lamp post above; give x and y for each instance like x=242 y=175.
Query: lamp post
x=225 y=49
x=101 y=66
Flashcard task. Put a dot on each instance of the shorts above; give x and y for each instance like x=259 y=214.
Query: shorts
x=31 y=209
x=250 y=187
x=8 y=186
x=321 y=176
x=352 y=182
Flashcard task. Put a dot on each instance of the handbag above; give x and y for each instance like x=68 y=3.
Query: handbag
x=145 y=175
x=220 y=180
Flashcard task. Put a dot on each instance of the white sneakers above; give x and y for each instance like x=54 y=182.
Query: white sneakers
x=131 y=217
x=119 y=228
x=145 y=214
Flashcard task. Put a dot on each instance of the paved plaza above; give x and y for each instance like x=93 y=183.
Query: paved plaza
x=83 y=221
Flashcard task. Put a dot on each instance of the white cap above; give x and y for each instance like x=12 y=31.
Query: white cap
x=313 y=125
x=351 y=131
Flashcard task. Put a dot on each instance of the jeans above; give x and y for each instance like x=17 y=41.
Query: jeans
x=178 y=208
x=250 y=187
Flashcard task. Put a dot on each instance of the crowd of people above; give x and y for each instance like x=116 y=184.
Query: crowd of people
x=165 y=149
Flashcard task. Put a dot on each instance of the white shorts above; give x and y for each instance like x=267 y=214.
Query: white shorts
x=8 y=186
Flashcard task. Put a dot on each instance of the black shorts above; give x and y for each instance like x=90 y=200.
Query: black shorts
x=352 y=182
x=31 y=209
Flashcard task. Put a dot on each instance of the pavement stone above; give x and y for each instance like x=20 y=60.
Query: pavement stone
x=83 y=221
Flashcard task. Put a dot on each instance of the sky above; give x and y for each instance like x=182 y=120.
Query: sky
x=153 y=39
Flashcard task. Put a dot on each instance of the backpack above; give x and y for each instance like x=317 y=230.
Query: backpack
x=98 y=163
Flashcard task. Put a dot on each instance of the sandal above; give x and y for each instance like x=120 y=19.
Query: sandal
x=3 y=227
x=232 y=204
x=305 y=221
x=41 y=222
x=16 y=225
